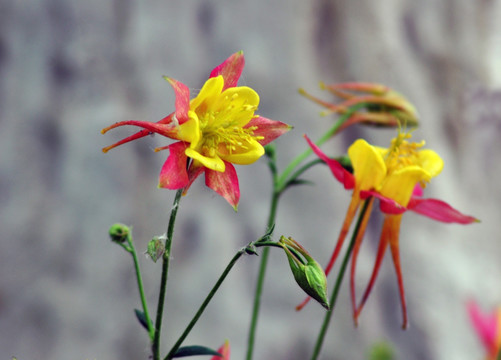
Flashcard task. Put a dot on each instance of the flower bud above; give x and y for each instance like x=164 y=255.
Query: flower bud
x=308 y=274
x=119 y=233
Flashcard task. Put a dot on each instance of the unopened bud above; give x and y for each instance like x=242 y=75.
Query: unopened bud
x=119 y=233
x=308 y=274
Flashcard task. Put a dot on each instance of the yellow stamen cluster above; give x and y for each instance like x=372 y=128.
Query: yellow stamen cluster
x=402 y=153
x=222 y=130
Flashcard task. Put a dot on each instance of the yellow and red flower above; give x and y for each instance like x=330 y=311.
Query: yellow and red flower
x=488 y=327
x=216 y=129
x=396 y=176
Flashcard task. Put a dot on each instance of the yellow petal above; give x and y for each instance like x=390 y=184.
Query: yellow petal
x=249 y=155
x=207 y=96
x=235 y=106
x=213 y=163
x=400 y=184
x=431 y=162
x=190 y=130
x=368 y=165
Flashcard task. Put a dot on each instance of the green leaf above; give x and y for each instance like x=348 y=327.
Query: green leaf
x=194 y=350
x=141 y=318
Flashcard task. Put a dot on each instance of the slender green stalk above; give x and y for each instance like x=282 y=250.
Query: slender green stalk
x=206 y=302
x=337 y=286
x=213 y=291
x=260 y=280
x=280 y=183
x=149 y=324
x=155 y=346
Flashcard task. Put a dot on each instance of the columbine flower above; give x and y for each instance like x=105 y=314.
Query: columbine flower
x=216 y=129
x=395 y=176
x=383 y=106
x=488 y=327
x=224 y=350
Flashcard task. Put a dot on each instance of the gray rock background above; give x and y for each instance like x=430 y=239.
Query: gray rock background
x=69 y=68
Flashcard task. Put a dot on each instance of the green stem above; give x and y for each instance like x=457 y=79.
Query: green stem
x=213 y=291
x=260 y=280
x=206 y=302
x=280 y=183
x=155 y=346
x=330 y=133
x=132 y=250
x=290 y=181
x=339 y=280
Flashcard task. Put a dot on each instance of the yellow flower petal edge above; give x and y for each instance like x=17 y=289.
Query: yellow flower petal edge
x=431 y=162
x=214 y=163
x=207 y=95
x=236 y=106
x=400 y=184
x=369 y=168
x=253 y=152
x=190 y=130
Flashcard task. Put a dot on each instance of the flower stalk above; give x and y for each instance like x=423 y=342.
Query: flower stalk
x=249 y=249
x=155 y=346
x=339 y=280
x=121 y=234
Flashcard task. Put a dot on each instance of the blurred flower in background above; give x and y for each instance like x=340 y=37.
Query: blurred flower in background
x=488 y=328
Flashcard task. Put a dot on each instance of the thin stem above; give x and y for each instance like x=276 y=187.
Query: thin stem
x=206 y=302
x=260 y=280
x=149 y=324
x=213 y=291
x=298 y=173
x=331 y=132
x=279 y=185
x=339 y=280
x=155 y=347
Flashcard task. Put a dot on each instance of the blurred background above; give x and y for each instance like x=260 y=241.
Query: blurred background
x=69 y=68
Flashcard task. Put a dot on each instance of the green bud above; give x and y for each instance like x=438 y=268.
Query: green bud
x=381 y=351
x=308 y=274
x=119 y=233
x=156 y=248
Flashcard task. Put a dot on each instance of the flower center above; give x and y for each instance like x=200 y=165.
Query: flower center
x=223 y=131
x=402 y=153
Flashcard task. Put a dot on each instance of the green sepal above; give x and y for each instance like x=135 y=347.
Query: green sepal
x=155 y=249
x=141 y=318
x=267 y=236
x=194 y=350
